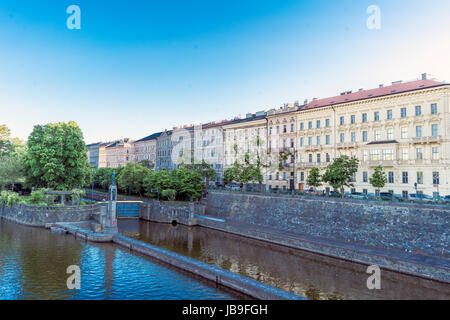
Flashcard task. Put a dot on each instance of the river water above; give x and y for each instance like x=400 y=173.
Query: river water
x=33 y=264
x=311 y=275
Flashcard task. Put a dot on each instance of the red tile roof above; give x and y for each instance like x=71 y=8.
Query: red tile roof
x=373 y=93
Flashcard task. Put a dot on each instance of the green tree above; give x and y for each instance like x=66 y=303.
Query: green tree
x=340 y=173
x=57 y=157
x=232 y=174
x=160 y=180
x=147 y=164
x=314 y=178
x=132 y=177
x=187 y=183
x=378 y=179
x=5 y=140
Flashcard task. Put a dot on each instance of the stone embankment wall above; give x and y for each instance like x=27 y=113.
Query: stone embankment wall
x=40 y=216
x=167 y=212
x=407 y=228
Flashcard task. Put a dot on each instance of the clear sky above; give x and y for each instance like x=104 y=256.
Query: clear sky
x=136 y=67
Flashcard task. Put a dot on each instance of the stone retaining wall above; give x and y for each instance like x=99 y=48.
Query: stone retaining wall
x=160 y=212
x=39 y=216
x=416 y=229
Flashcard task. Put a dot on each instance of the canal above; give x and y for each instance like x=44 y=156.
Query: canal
x=33 y=264
x=310 y=275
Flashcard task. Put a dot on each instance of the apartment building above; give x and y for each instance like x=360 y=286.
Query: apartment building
x=404 y=127
x=118 y=153
x=145 y=149
x=246 y=136
x=164 y=151
x=282 y=137
x=97 y=154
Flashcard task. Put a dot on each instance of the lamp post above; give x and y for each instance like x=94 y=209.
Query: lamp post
x=92 y=190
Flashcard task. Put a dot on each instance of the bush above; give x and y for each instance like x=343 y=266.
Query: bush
x=9 y=198
x=38 y=197
x=169 y=194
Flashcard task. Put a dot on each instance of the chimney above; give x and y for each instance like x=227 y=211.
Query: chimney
x=380 y=86
x=361 y=89
x=397 y=82
x=424 y=76
x=314 y=99
x=305 y=102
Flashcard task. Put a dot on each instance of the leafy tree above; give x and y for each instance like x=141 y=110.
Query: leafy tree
x=232 y=174
x=169 y=194
x=102 y=177
x=132 y=177
x=147 y=164
x=314 y=179
x=160 y=180
x=5 y=142
x=11 y=166
x=57 y=157
x=339 y=173
x=378 y=179
x=187 y=183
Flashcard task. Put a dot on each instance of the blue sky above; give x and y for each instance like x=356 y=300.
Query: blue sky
x=137 y=67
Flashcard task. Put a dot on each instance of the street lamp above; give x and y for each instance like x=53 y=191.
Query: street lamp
x=92 y=190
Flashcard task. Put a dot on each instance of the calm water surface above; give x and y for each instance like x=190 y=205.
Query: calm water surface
x=311 y=275
x=33 y=264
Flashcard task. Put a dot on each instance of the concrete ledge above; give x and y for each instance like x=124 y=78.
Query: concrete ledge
x=84 y=233
x=222 y=277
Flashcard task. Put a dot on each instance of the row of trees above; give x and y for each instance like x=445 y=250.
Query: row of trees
x=340 y=173
x=180 y=184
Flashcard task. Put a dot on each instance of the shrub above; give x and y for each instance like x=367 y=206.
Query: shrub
x=9 y=198
x=38 y=197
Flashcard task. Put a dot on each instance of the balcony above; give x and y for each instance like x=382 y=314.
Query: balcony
x=313 y=148
x=346 y=145
x=306 y=165
x=383 y=163
x=425 y=140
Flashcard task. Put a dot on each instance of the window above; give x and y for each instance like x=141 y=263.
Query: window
x=403 y=112
x=309 y=124
x=318 y=158
x=419 y=154
x=405 y=177
x=327 y=123
x=389 y=114
x=327 y=156
x=292 y=143
x=277 y=176
x=301 y=142
x=284 y=175
x=434 y=108
x=419 y=177
x=284 y=143
x=292 y=127
x=341 y=120
x=364 y=117
x=374 y=155
x=318 y=123
x=365 y=176
x=318 y=140
x=418 y=110
x=388 y=154
x=390 y=133
x=310 y=158
x=341 y=138
x=278 y=129
x=270 y=145
x=292 y=159
x=284 y=128
x=327 y=139
x=435 y=153
x=404 y=154
x=270 y=176
x=434 y=130
x=405 y=194
x=376 y=116
x=302 y=176
x=404 y=132
x=376 y=135
x=309 y=141
x=435 y=177
x=302 y=126
x=418 y=131
x=353 y=136
x=390 y=177
x=364 y=136
x=352 y=119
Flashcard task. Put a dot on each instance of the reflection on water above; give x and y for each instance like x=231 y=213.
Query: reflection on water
x=311 y=275
x=33 y=265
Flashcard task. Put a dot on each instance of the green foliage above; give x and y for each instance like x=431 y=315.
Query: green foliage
x=57 y=157
x=157 y=180
x=232 y=174
x=132 y=176
x=77 y=194
x=339 y=173
x=147 y=164
x=5 y=142
x=102 y=177
x=314 y=179
x=378 y=179
x=38 y=197
x=9 y=198
x=169 y=194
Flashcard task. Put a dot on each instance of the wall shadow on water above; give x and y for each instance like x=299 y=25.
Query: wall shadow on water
x=311 y=275
x=33 y=264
